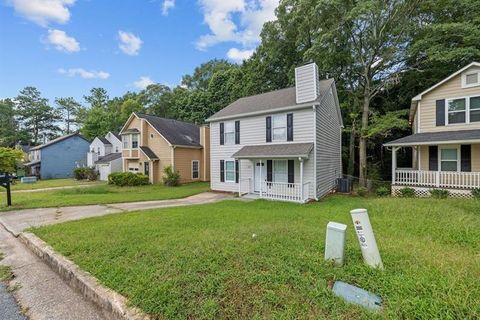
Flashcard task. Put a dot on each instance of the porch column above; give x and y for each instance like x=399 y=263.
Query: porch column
x=239 y=179
x=301 y=178
x=261 y=178
x=394 y=163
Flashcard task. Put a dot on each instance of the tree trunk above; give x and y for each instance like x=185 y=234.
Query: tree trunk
x=363 y=141
x=351 y=151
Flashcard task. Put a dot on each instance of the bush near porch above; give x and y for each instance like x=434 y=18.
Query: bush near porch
x=202 y=262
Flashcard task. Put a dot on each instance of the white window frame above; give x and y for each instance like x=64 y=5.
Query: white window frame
x=464 y=79
x=467 y=110
x=198 y=169
x=232 y=132
x=126 y=141
x=284 y=116
x=225 y=171
x=274 y=171
x=137 y=136
x=456 y=147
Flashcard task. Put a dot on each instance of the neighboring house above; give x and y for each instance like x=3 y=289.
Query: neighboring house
x=59 y=157
x=283 y=145
x=106 y=155
x=446 y=137
x=152 y=143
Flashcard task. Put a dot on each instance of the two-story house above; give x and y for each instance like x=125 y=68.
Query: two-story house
x=58 y=157
x=446 y=137
x=106 y=155
x=152 y=143
x=283 y=145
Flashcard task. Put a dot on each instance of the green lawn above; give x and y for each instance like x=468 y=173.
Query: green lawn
x=51 y=184
x=101 y=194
x=201 y=262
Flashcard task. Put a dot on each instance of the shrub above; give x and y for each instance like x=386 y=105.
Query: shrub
x=439 y=193
x=171 y=177
x=362 y=191
x=92 y=174
x=476 y=193
x=382 y=191
x=407 y=192
x=85 y=173
x=124 y=179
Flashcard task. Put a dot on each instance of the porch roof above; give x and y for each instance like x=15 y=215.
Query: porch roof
x=429 y=138
x=149 y=153
x=284 y=150
x=109 y=158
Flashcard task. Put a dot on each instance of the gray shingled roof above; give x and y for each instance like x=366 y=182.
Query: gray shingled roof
x=434 y=137
x=109 y=157
x=58 y=140
x=267 y=101
x=149 y=153
x=275 y=151
x=104 y=140
x=176 y=132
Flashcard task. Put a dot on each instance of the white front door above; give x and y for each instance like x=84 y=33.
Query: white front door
x=260 y=174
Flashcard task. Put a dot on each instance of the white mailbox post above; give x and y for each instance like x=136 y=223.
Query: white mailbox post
x=366 y=239
x=335 y=243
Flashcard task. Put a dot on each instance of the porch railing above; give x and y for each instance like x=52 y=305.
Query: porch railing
x=437 y=179
x=276 y=190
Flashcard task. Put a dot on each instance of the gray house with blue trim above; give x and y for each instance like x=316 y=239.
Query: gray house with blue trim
x=58 y=158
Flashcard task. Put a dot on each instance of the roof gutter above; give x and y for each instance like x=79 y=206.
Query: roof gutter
x=303 y=156
x=254 y=113
x=426 y=143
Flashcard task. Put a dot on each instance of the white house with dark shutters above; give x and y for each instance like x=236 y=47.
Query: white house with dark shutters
x=282 y=145
x=446 y=137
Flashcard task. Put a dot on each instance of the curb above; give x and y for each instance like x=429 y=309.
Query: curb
x=113 y=305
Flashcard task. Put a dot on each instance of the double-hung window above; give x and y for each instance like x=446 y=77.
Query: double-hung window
x=134 y=141
x=230 y=171
x=279 y=127
x=449 y=159
x=457 y=110
x=126 y=141
x=474 y=109
x=229 y=132
x=195 y=169
x=280 y=171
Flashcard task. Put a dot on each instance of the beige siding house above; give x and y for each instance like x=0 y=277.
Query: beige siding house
x=281 y=145
x=152 y=143
x=446 y=137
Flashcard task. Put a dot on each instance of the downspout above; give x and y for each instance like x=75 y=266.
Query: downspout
x=315 y=152
x=173 y=157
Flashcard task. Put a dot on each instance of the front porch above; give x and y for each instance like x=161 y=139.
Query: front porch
x=275 y=172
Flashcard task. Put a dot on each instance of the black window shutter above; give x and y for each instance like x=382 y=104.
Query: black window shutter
x=222 y=170
x=222 y=131
x=269 y=129
x=466 y=156
x=237 y=175
x=237 y=132
x=440 y=114
x=269 y=170
x=433 y=158
x=291 y=171
x=290 y=127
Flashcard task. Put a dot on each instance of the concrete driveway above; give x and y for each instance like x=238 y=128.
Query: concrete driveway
x=17 y=221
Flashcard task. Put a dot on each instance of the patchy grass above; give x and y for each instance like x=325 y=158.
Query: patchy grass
x=5 y=271
x=201 y=262
x=102 y=194
x=53 y=183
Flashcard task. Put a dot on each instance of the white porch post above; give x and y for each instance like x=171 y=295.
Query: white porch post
x=261 y=178
x=239 y=179
x=394 y=163
x=301 y=178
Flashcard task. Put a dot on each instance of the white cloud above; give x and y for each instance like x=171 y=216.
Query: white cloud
x=85 y=74
x=62 y=41
x=43 y=12
x=129 y=43
x=167 y=6
x=239 y=55
x=143 y=83
x=219 y=16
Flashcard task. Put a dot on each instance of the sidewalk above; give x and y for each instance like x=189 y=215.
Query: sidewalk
x=19 y=220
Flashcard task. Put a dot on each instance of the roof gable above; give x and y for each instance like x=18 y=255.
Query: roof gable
x=59 y=139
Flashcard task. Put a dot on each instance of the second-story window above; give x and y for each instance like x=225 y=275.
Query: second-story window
x=126 y=141
x=134 y=141
x=279 y=127
x=474 y=109
x=229 y=132
x=456 y=111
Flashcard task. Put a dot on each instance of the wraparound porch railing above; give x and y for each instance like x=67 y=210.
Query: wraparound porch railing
x=437 y=179
x=295 y=192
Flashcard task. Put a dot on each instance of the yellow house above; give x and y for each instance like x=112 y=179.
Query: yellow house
x=446 y=137
x=152 y=143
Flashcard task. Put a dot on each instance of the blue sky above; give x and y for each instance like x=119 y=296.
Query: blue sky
x=66 y=47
